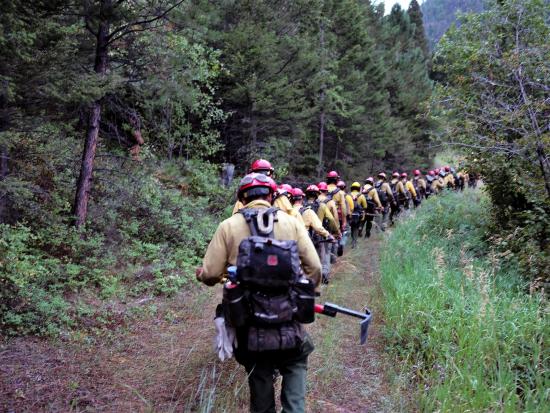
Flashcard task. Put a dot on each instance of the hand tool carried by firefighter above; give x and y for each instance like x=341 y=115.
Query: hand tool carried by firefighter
x=331 y=310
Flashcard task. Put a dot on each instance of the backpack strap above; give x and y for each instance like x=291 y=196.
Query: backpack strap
x=260 y=221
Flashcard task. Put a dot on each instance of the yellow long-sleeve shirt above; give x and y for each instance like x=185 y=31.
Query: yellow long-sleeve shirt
x=410 y=187
x=385 y=187
x=360 y=199
x=284 y=205
x=323 y=212
x=349 y=205
x=332 y=208
x=438 y=185
x=370 y=193
x=340 y=200
x=224 y=246
x=311 y=221
x=449 y=180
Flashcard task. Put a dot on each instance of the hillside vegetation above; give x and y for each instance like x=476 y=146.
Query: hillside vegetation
x=439 y=15
x=470 y=336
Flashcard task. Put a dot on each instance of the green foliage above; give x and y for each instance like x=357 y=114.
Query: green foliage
x=459 y=317
x=495 y=109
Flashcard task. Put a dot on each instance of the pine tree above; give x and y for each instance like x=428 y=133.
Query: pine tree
x=416 y=18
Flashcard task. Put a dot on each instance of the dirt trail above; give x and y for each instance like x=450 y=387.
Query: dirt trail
x=164 y=361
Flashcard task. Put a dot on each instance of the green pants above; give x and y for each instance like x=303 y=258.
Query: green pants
x=292 y=365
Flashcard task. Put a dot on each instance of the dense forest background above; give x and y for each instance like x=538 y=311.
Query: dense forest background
x=117 y=117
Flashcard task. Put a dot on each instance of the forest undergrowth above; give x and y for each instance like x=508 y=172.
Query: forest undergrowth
x=462 y=325
x=162 y=360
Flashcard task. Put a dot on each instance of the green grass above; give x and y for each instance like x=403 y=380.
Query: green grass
x=462 y=323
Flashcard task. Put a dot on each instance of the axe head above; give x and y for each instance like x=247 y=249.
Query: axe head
x=364 y=325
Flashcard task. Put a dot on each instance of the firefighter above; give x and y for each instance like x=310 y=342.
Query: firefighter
x=282 y=200
x=329 y=221
x=430 y=177
x=339 y=196
x=336 y=212
x=310 y=218
x=373 y=203
x=419 y=186
x=358 y=215
x=385 y=195
x=448 y=178
x=410 y=192
x=399 y=196
x=259 y=166
x=349 y=200
x=256 y=193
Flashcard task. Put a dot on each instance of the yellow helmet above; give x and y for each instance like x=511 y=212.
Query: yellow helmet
x=355 y=185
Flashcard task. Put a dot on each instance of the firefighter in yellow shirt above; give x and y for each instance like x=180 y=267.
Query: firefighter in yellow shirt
x=349 y=200
x=419 y=186
x=385 y=195
x=330 y=203
x=399 y=196
x=358 y=214
x=329 y=222
x=448 y=178
x=410 y=192
x=438 y=184
x=339 y=196
x=373 y=204
x=256 y=193
x=282 y=201
x=310 y=219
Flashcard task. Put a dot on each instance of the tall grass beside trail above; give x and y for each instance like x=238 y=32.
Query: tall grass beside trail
x=465 y=329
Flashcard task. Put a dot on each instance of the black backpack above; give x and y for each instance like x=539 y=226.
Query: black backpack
x=315 y=205
x=272 y=297
x=371 y=205
x=381 y=194
x=393 y=187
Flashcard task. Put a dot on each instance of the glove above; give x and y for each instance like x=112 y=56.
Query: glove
x=225 y=339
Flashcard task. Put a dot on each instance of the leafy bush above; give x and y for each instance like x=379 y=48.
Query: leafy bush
x=459 y=317
x=148 y=228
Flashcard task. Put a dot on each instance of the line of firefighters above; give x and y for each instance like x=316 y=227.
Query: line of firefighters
x=327 y=210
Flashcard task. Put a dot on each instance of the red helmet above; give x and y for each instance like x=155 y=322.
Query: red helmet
x=297 y=193
x=382 y=175
x=322 y=186
x=370 y=180
x=255 y=184
x=261 y=165
x=284 y=189
x=416 y=172
x=333 y=174
x=432 y=173
x=341 y=184
x=312 y=188
x=436 y=171
x=447 y=168
x=404 y=175
x=395 y=174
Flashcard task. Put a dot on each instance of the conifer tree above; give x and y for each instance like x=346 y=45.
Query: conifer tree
x=416 y=18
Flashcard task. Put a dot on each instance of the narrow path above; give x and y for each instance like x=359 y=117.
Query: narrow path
x=345 y=376
x=164 y=362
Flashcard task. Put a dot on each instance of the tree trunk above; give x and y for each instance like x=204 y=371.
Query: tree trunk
x=321 y=139
x=322 y=119
x=543 y=162
x=84 y=183
x=4 y=170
